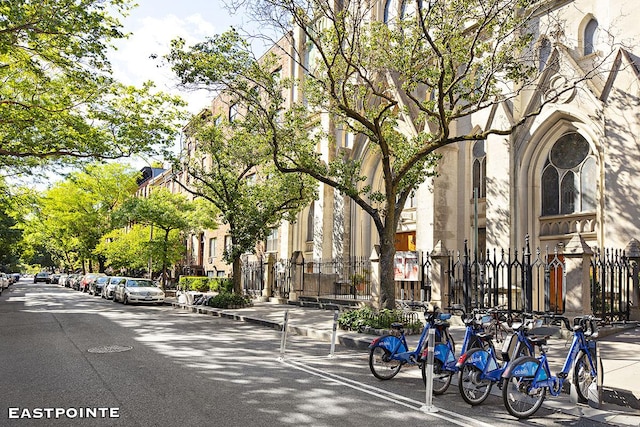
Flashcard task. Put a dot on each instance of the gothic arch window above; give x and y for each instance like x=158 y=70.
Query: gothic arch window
x=480 y=169
x=310 y=222
x=390 y=12
x=590 y=37
x=568 y=179
x=544 y=52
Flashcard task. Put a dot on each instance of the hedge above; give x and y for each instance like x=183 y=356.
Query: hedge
x=205 y=284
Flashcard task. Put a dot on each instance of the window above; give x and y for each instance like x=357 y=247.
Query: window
x=233 y=112
x=227 y=243
x=480 y=169
x=272 y=240
x=544 y=52
x=568 y=180
x=213 y=243
x=388 y=11
x=590 y=37
x=310 y=222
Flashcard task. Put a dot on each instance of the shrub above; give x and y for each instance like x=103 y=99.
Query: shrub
x=365 y=317
x=226 y=300
x=205 y=284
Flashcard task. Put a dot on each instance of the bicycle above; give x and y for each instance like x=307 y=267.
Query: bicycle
x=388 y=353
x=528 y=379
x=500 y=323
x=479 y=369
x=444 y=357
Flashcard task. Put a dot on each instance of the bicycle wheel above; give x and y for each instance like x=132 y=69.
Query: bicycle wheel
x=473 y=389
x=441 y=377
x=520 y=399
x=582 y=377
x=381 y=364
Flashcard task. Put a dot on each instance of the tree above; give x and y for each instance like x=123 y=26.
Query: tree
x=167 y=215
x=72 y=216
x=240 y=180
x=58 y=101
x=430 y=74
x=127 y=249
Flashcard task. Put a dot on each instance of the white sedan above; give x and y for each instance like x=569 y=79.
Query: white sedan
x=133 y=290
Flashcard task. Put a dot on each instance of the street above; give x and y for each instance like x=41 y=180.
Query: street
x=69 y=358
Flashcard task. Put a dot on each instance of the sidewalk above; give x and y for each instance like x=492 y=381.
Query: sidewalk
x=619 y=350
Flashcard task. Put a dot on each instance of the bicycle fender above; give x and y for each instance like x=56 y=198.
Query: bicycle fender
x=443 y=354
x=525 y=366
x=481 y=359
x=390 y=343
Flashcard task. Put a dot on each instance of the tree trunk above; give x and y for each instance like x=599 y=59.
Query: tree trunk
x=164 y=260
x=237 y=276
x=387 y=272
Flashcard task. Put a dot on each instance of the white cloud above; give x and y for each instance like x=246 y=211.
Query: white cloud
x=133 y=63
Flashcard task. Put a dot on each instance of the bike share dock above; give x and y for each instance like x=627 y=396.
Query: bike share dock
x=619 y=348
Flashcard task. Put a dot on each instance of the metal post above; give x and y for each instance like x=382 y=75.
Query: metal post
x=428 y=406
x=335 y=331
x=283 y=340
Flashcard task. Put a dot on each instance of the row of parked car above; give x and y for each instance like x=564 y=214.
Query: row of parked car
x=7 y=280
x=127 y=290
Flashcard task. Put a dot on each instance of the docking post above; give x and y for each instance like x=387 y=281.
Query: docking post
x=283 y=341
x=428 y=406
x=334 y=334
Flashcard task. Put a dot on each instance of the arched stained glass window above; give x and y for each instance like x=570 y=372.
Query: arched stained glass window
x=568 y=179
x=544 y=53
x=480 y=169
x=590 y=37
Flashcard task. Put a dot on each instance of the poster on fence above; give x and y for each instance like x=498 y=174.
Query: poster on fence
x=407 y=265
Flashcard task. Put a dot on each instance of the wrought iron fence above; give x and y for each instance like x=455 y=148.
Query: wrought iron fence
x=512 y=280
x=611 y=285
x=343 y=279
x=516 y=280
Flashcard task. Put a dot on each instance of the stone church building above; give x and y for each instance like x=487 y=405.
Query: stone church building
x=567 y=180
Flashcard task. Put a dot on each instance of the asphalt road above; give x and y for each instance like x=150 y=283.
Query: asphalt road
x=71 y=359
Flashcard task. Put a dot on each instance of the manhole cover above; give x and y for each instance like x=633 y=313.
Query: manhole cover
x=109 y=349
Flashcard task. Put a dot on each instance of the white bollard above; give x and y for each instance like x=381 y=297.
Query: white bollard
x=428 y=406
x=283 y=341
x=335 y=332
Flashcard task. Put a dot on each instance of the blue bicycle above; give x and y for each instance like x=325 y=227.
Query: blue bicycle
x=390 y=352
x=528 y=379
x=444 y=352
x=480 y=368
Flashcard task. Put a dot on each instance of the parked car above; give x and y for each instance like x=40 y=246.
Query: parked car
x=74 y=281
x=96 y=285
x=4 y=282
x=43 y=276
x=133 y=290
x=62 y=280
x=108 y=289
x=86 y=280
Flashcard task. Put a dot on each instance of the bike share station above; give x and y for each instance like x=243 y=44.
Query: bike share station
x=525 y=379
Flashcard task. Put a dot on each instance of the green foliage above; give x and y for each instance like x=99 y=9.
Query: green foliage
x=69 y=220
x=167 y=215
x=229 y=300
x=60 y=103
x=205 y=284
x=366 y=317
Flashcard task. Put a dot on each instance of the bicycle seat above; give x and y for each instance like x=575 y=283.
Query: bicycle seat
x=485 y=336
x=538 y=340
x=397 y=326
x=544 y=331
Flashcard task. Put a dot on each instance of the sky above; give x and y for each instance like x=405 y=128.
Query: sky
x=153 y=24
